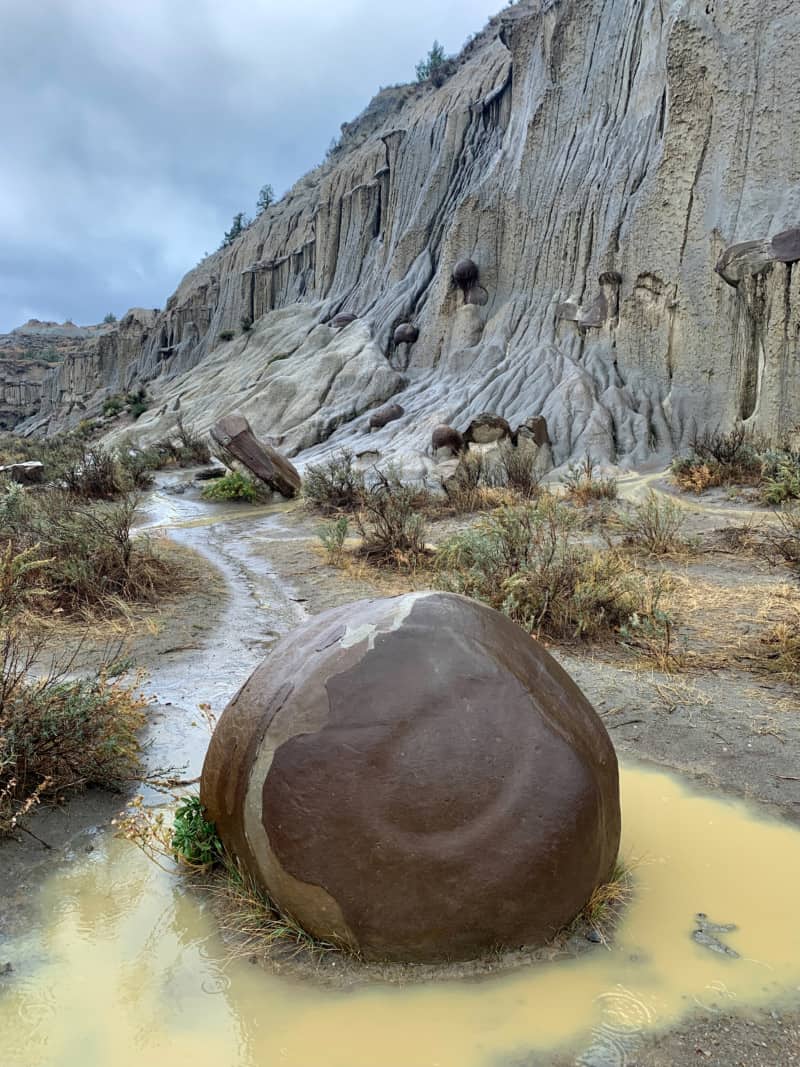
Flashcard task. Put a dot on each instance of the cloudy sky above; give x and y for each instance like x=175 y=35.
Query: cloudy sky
x=133 y=130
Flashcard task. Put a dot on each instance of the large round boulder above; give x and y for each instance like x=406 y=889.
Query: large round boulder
x=465 y=274
x=383 y=416
x=418 y=779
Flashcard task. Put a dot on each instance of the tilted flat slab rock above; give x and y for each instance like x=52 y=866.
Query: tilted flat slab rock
x=416 y=778
x=266 y=463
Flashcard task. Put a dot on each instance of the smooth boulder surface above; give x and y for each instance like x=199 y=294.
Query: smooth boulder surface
x=233 y=433
x=385 y=415
x=417 y=778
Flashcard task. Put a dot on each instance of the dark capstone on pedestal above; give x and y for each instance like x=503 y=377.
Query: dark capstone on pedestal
x=417 y=778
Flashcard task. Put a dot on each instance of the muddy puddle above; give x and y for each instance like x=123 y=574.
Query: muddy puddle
x=126 y=965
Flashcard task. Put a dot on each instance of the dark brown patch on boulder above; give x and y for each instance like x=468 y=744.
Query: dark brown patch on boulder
x=786 y=246
x=406 y=334
x=486 y=429
x=434 y=784
x=383 y=416
x=233 y=433
x=340 y=321
x=465 y=274
x=445 y=436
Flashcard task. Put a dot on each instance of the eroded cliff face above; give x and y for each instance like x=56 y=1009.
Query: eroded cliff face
x=596 y=159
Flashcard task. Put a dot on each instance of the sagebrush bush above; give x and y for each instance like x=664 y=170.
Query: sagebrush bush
x=527 y=562
x=655 y=525
x=56 y=554
x=334 y=485
x=781 y=477
x=390 y=519
x=57 y=734
x=519 y=469
x=465 y=491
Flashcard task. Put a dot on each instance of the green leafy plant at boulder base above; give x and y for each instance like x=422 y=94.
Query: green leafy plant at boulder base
x=233 y=486
x=194 y=838
x=226 y=335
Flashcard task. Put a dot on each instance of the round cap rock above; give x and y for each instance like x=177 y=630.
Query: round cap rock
x=465 y=273
x=417 y=778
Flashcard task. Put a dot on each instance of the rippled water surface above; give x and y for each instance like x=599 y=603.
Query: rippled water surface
x=127 y=968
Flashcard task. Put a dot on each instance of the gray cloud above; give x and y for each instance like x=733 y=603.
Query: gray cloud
x=132 y=131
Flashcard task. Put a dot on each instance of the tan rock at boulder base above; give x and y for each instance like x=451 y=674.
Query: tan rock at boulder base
x=417 y=778
x=266 y=463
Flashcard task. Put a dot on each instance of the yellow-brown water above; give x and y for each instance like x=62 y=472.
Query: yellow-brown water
x=127 y=969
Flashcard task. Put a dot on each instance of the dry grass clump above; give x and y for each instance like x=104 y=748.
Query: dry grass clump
x=248 y=915
x=527 y=562
x=57 y=555
x=782 y=542
x=603 y=909
x=57 y=734
x=655 y=526
x=780 y=648
x=583 y=485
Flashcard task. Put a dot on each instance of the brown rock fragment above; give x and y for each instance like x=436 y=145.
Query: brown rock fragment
x=233 y=433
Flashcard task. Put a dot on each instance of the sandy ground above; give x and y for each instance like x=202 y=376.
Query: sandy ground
x=721 y=717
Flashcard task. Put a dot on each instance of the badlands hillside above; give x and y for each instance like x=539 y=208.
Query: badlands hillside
x=625 y=176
